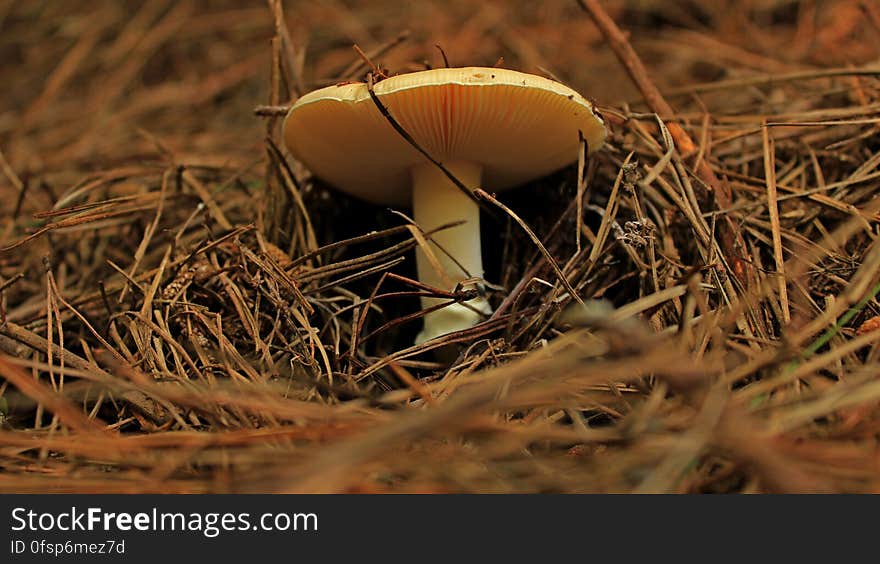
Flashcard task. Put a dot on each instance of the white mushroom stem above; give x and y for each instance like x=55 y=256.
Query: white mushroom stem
x=438 y=201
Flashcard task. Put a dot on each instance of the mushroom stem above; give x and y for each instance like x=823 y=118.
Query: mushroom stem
x=436 y=202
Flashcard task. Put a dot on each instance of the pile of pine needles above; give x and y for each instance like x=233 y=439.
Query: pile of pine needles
x=183 y=308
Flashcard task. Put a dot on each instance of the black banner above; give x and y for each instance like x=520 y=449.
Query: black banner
x=336 y=528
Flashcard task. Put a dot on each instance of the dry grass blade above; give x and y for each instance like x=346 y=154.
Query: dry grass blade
x=730 y=237
x=68 y=413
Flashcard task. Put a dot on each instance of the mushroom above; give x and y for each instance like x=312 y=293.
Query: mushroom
x=491 y=128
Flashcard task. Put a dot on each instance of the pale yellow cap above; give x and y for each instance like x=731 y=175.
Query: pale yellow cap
x=517 y=126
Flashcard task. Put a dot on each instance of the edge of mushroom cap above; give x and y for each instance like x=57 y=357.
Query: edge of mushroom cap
x=465 y=76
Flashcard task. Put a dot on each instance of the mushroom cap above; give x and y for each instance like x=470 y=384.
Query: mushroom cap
x=517 y=126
